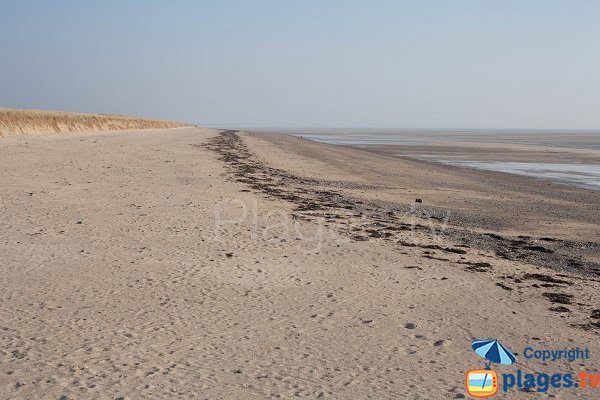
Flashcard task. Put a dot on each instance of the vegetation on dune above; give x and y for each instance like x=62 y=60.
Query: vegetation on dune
x=21 y=122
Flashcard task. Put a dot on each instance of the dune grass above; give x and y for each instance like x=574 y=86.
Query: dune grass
x=23 y=122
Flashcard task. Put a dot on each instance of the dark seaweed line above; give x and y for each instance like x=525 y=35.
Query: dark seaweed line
x=309 y=198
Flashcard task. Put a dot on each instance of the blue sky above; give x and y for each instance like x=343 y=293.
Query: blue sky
x=402 y=64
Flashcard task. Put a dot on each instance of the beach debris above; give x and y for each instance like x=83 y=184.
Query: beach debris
x=432 y=247
x=410 y=325
x=378 y=233
x=595 y=314
x=476 y=266
x=426 y=254
x=559 y=309
x=539 y=248
x=312 y=201
x=560 y=298
x=548 y=239
x=454 y=250
x=592 y=326
x=360 y=238
x=546 y=278
x=406 y=244
x=229 y=254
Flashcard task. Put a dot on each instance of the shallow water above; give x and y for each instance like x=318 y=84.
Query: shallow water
x=577 y=173
x=363 y=138
x=589 y=140
x=584 y=175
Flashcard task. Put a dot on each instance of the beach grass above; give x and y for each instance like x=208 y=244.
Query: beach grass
x=20 y=122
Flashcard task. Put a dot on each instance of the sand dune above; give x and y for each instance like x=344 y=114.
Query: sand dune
x=20 y=122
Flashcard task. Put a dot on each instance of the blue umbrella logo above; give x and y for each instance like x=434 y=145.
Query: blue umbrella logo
x=494 y=352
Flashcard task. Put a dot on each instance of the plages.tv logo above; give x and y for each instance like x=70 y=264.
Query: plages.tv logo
x=483 y=383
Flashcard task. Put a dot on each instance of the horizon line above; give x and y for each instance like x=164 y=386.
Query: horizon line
x=421 y=129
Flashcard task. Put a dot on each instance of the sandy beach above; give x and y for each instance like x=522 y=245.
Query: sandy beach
x=212 y=264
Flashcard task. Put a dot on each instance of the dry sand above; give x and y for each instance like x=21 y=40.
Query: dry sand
x=27 y=122
x=156 y=264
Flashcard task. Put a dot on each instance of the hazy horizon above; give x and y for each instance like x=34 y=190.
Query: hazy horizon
x=402 y=129
x=299 y=65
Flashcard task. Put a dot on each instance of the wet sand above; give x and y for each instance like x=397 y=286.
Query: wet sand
x=560 y=156
x=478 y=199
x=206 y=264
